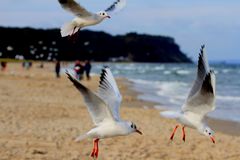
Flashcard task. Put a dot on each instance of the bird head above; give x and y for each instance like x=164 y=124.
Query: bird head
x=103 y=14
x=209 y=133
x=133 y=128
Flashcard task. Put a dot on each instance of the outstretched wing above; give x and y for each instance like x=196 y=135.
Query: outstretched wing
x=109 y=92
x=203 y=69
x=201 y=99
x=75 y=8
x=97 y=108
x=117 y=6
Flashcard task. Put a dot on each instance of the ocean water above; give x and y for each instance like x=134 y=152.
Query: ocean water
x=169 y=84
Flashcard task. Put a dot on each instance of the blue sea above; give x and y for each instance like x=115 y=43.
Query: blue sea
x=168 y=84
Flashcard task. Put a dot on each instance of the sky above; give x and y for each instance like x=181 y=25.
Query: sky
x=215 y=23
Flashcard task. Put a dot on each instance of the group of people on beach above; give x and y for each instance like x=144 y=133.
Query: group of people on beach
x=81 y=67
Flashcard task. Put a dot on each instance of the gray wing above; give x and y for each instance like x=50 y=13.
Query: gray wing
x=96 y=106
x=203 y=69
x=109 y=92
x=73 y=7
x=117 y=6
x=201 y=99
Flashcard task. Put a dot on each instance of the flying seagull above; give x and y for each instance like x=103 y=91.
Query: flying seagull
x=200 y=101
x=103 y=107
x=84 y=17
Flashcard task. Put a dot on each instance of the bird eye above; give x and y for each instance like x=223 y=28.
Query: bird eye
x=104 y=14
x=209 y=134
x=131 y=125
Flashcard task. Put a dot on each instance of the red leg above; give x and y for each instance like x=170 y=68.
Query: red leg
x=183 y=133
x=175 y=129
x=96 y=150
x=93 y=150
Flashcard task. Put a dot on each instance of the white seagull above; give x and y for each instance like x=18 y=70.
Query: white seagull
x=200 y=101
x=84 y=17
x=103 y=107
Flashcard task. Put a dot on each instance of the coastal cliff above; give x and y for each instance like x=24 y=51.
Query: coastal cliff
x=39 y=44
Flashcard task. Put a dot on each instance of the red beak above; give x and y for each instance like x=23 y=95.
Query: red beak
x=213 y=140
x=139 y=132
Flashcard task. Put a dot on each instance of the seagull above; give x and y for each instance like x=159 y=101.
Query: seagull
x=200 y=101
x=84 y=17
x=103 y=107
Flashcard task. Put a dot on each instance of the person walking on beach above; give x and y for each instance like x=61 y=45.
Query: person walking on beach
x=79 y=70
x=3 y=65
x=58 y=69
x=87 y=68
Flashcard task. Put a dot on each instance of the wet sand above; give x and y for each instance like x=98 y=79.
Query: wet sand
x=41 y=115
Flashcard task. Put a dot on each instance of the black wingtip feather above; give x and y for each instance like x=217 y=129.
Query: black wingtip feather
x=207 y=84
x=103 y=75
x=63 y=1
x=112 y=6
x=76 y=83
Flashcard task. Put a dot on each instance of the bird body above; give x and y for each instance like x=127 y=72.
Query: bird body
x=189 y=119
x=200 y=101
x=103 y=107
x=92 y=20
x=109 y=130
x=83 y=17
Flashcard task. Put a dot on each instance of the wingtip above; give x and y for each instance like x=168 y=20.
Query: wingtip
x=70 y=77
x=62 y=1
x=104 y=70
x=103 y=74
x=201 y=54
x=202 y=49
x=67 y=73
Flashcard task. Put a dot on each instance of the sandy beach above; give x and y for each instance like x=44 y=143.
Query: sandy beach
x=41 y=115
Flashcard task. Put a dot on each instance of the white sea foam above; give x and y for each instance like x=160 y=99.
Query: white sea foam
x=167 y=72
x=183 y=72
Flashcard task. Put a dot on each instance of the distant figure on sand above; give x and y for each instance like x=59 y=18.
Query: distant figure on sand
x=79 y=70
x=3 y=66
x=87 y=68
x=58 y=69
x=27 y=65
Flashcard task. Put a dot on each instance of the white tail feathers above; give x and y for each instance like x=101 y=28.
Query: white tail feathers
x=170 y=114
x=80 y=138
x=69 y=29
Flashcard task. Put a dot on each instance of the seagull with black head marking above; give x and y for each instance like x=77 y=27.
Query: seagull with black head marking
x=84 y=17
x=200 y=101
x=103 y=107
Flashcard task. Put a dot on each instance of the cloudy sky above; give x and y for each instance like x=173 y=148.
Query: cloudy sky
x=215 y=23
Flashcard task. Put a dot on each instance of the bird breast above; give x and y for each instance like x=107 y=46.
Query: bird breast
x=190 y=119
x=109 y=130
x=81 y=22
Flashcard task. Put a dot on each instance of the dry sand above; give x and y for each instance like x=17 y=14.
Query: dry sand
x=40 y=115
